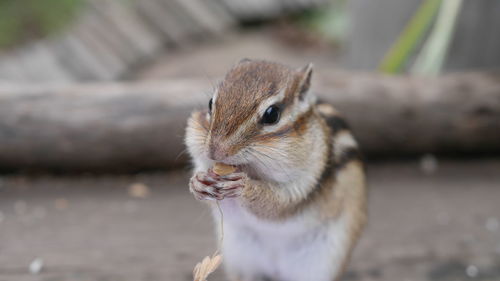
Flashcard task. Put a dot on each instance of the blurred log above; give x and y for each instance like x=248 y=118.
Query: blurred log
x=135 y=126
x=95 y=127
x=400 y=115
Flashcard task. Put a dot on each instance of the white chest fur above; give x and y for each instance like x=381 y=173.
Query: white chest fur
x=289 y=250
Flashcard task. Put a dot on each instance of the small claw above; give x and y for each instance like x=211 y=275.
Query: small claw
x=206 y=178
x=230 y=188
x=227 y=185
x=201 y=190
x=234 y=176
x=207 y=186
x=203 y=196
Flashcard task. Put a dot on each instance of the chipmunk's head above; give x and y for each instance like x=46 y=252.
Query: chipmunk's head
x=256 y=114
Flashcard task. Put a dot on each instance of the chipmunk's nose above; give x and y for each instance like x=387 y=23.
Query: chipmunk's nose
x=217 y=151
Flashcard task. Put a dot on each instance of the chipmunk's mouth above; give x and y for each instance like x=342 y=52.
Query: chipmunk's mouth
x=251 y=169
x=241 y=161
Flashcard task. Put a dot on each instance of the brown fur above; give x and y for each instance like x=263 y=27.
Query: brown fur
x=244 y=87
x=262 y=199
x=328 y=186
x=200 y=117
x=352 y=188
x=342 y=192
x=298 y=128
x=340 y=184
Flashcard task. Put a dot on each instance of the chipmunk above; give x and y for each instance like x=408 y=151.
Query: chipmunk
x=296 y=204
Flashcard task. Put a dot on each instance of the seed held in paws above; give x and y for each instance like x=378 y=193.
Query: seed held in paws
x=222 y=169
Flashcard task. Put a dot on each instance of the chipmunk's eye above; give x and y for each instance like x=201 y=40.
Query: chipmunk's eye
x=210 y=106
x=271 y=115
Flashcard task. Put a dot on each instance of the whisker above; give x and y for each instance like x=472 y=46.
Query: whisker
x=258 y=159
x=275 y=161
x=199 y=125
x=180 y=154
x=255 y=153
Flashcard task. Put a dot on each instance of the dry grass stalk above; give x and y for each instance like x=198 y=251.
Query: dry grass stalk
x=210 y=264
x=206 y=267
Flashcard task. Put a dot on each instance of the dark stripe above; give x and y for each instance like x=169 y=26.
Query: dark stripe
x=335 y=164
x=336 y=123
x=320 y=100
x=301 y=121
x=351 y=154
x=330 y=164
x=281 y=132
x=294 y=126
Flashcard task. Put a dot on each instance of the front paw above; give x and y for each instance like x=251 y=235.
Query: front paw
x=210 y=186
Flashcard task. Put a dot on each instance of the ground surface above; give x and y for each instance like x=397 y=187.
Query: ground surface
x=439 y=227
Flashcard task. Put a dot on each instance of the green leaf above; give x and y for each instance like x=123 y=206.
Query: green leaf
x=398 y=54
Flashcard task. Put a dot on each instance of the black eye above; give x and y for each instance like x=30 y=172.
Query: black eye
x=210 y=106
x=271 y=116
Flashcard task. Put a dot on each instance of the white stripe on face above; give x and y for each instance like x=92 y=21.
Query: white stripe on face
x=216 y=94
x=294 y=110
x=242 y=128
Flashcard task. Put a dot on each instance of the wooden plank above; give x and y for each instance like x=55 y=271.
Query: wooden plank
x=124 y=20
x=39 y=65
x=111 y=36
x=158 y=17
x=11 y=69
x=98 y=24
x=79 y=60
x=183 y=17
x=203 y=15
x=106 y=55
x=221 y=11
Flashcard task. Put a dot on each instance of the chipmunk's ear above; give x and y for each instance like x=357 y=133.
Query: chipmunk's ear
x=305 y=74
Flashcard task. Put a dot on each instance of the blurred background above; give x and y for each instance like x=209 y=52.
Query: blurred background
x=94 y=97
